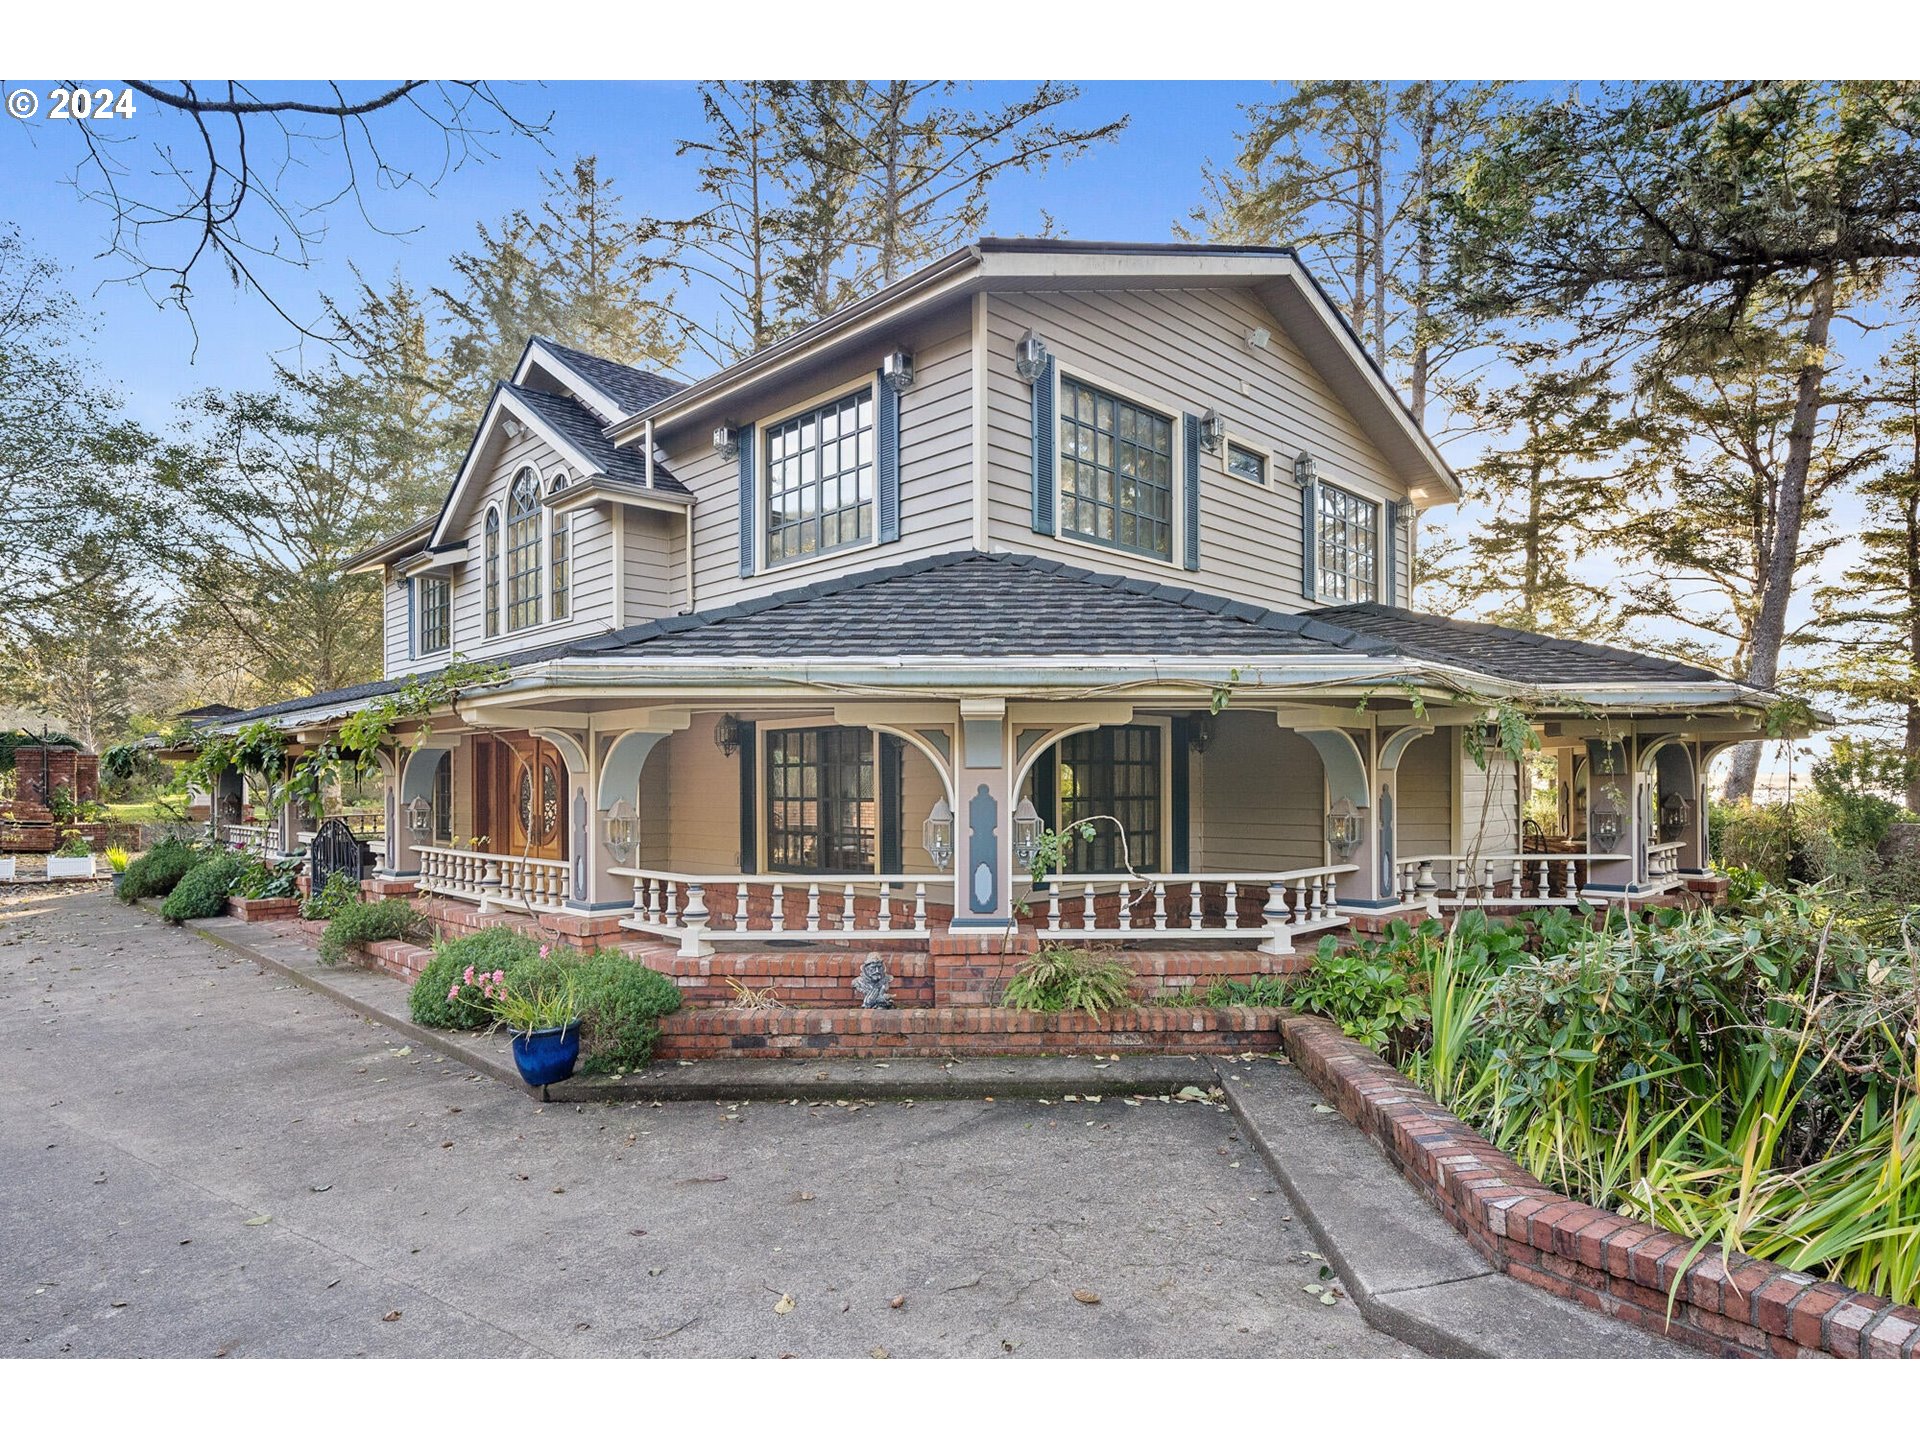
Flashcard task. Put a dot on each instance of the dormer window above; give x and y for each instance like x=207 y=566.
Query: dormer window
x=523 y=552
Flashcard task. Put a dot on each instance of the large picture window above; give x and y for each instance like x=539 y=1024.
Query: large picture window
x=523 y=552
x=1113 y=771
x=433 y=600
x=820 y=479
x=821 y=811
x=1116 y=471
x=1349 y=534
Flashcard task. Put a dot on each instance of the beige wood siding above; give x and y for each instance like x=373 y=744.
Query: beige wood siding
x=1489 y=804
x=650 y=548
x=936 y=460
x=393 y=606
x=1183 y=351
x=920 y=788
x=1423 y=817
x=1258 y=798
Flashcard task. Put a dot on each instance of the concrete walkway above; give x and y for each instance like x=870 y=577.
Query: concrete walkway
x=201 y=1158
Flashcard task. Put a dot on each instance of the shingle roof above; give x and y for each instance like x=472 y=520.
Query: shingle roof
x=1506 y=653
x=578 y=426
x=634 y=389
x=977 y=605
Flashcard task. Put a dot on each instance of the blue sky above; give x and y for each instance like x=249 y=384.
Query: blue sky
x=1134 y=189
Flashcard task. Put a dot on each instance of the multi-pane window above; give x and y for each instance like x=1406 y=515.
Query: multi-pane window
x=558 y=589
x=820 y=478
x=1116 y=471
x=523 y=552
x=433 y=596
x=493 y=572
x=1247 y=464
x=821 y=811
x=1349 y=534
x=1114 y=771
x=443 y=800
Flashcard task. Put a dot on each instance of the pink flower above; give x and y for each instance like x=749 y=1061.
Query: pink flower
x=499 y=977
x=469 y=976
x=545 y=950
x=454 y=993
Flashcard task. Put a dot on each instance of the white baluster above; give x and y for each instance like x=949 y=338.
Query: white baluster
x=779 y=907
x=846 y=907
x=1088 y=920
x=1273 y=919
x=740 y=907
x=693 y=937
x=1195 y=916
x=920 y=906
x=886 y=906
x=1233 y=907
x=1053 y=905
x=1159 y=904
x=813 y=909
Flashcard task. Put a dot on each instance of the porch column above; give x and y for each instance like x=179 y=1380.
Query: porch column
x=619 y=757
x=1388 y=754
x=1347 y=769
x=983 y=819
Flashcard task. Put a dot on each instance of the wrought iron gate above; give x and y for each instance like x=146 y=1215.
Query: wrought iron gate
x=336 y=850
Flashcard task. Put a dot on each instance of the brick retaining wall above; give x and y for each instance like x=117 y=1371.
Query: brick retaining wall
x=1620 y=1267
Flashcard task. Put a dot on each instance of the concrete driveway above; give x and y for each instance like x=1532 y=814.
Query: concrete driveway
x=197 y=1158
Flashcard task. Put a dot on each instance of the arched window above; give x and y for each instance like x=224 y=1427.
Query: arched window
x=523 y=552
x=493 y=570
x=557 y=588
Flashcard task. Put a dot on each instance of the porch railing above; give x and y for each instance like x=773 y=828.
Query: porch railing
x=1534 y=877
x=1663 y=865
x=696 y=909
x=494 y=882
x=1274 y=907
x=253 y=839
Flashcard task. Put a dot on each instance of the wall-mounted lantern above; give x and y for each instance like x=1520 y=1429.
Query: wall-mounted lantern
x=1306 y=469
x=936 y=835
x=1026 y=833
x=619 y=831
x=1674 y=811
x=1200 y=733
x=1030 y=357
x=897 y=370
x=726 y=442
x=1210 y=431
x=1343 y=829
x=419 y=815
x=1604 y=825
x=728 y=733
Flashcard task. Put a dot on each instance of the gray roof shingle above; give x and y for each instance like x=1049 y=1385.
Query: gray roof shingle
x=634 y=389
x=977 y=605
x=577 y=424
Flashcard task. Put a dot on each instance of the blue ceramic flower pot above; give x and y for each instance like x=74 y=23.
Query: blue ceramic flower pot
x=546 y=1056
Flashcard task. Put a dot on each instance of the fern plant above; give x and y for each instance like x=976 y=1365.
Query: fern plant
x=1061 y=978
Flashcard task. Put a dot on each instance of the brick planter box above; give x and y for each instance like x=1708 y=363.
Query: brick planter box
x=973 y=1030
x=1623 y=1268
x=278 y=907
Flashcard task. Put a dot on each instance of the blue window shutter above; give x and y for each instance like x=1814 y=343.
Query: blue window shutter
x=1190 y=482
x=749 y=532
x=413 y=632
x=887 y=454
x=1046 y=436
x=1309 y=539
x=749 y=812
x=1180 y=796
x=1391 y=568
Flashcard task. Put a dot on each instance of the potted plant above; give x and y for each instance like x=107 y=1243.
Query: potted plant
x=73 y=860
x=542 y=1014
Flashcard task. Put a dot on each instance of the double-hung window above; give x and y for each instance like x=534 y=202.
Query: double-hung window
x=559 y=586
x=523 y=552
x=821 y=812
x=433 y=605
x=1349 y=544
x=820 y=479
x=1116 y=471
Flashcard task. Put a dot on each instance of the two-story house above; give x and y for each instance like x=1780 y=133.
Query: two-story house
x=824 y=643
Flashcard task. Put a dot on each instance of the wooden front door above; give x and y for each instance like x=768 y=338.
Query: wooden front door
x=520 y=796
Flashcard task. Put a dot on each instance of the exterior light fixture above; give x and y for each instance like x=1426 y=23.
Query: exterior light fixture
x=1200 y=733
x=726 y=442
x=728 y=733
x=1210 y=431
x=1674 y=810
x=513 y=428
x=619 y=831
x=1343 y=829
x=897 y=370
x=936 y=835
x=419 y=815
x=1604 y=825
x=1258 y=337
x=1026 y=833
x=1030 y=357
x=1306 y=469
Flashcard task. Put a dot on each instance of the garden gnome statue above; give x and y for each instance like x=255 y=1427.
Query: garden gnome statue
x=871 y=985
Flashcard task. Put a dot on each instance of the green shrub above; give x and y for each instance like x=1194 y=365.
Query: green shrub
x=358 y=926
x=340 y=891
x=621 y=1002
x=1367 y=991
x=203 y=890
x=73 y=845
x=1063 y=978
x=261 y=881
x=434 y=1001
x=157 y=871
x=1259 y=990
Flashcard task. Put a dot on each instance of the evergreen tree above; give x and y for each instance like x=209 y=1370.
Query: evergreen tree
x=79 y=661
